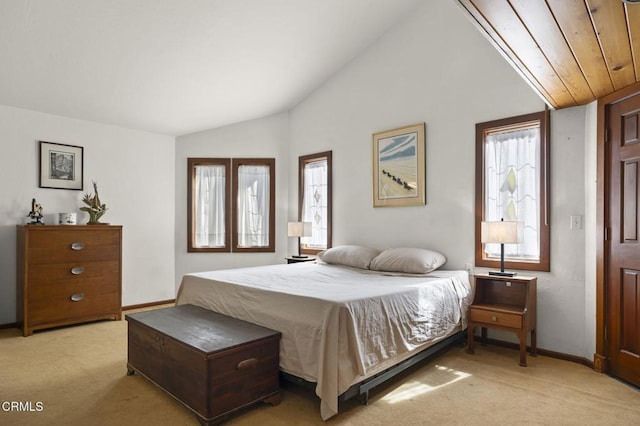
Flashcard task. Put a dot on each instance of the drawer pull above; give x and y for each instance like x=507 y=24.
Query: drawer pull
x=77 y=297
x=77 y=270
x=247 y=363
x=78 y=245
x=494 y=318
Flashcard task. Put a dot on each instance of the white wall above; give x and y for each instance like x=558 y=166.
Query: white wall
x=561 y=293
x=262 y=138
x=135 y=175
x=410 y=76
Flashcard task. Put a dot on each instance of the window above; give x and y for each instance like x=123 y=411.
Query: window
x=208 y=192
x=216 y=218
x=512 y=178
x=254 y=209
x=314 y=200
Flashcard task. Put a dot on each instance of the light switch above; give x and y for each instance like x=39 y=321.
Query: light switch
x=576 y=222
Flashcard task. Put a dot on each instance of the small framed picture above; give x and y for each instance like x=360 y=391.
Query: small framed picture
x=399 y=167
x=61 y=166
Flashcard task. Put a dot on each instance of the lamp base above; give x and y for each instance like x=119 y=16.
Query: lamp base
x=299 y=256
x=503 y=274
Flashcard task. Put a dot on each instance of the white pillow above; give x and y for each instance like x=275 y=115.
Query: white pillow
x=348 y=255
x=408 y=260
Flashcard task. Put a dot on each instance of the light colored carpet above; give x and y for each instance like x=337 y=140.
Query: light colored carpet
x=79 y=375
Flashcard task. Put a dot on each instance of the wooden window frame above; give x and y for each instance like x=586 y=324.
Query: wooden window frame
x=235 y=164
x=302 y=162
x=191 y=187
x=481 y=128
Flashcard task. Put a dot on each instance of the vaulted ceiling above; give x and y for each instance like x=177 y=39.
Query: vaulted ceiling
x=570 y=51
x=180 y=66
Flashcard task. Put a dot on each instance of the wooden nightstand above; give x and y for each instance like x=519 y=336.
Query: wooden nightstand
x=504 y=303
x=291 y=259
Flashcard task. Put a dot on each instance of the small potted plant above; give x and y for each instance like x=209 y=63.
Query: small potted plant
x=94 y=207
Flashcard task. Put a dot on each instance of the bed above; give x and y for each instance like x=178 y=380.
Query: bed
x=340 y=324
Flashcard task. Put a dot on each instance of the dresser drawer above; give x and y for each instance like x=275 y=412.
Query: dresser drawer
x=74 y=300
x=73 y=245
x=39 y=256
x=493 y=317
x=90 y=287
x=52 y=273
x=63 y=238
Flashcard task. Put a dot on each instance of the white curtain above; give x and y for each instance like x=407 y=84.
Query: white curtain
x=314 y=203
x=512 y=187
x=210 y=208
x=253 y=206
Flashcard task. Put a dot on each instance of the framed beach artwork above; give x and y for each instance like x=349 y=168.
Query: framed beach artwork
x=61 y=166
x=399 y=167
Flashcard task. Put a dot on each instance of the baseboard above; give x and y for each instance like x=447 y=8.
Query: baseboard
x=599 y=363
x=148 y=305
x=544 y=352
x=9 y=325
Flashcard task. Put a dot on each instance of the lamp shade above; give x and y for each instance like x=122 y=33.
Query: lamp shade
x=299 y=229
x=501 y=232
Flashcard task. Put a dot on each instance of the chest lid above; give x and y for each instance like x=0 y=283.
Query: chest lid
x=202 y=329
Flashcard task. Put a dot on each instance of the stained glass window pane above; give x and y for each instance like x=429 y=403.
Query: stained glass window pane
x=512 y=186
x=315 y=203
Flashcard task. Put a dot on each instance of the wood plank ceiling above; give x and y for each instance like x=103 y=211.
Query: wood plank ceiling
x=571 y=51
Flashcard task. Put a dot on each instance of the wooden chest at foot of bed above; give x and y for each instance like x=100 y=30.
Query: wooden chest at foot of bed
x=212 y=363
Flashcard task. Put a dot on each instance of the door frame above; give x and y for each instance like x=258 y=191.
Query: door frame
x=601 y=357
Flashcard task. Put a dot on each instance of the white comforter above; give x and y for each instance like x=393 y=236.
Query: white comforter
x=339 y=325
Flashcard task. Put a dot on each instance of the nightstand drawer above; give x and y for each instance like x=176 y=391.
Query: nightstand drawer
x=493 y=317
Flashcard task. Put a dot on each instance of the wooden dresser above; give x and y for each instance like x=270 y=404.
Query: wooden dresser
x=68 y=274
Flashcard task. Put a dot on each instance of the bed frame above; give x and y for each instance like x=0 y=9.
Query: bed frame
x=362 y=388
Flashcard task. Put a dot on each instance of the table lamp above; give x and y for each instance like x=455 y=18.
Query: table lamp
x=299 y=229
x=501 y=232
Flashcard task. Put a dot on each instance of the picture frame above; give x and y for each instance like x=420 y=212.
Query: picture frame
x=61 y=166
x=399 y=168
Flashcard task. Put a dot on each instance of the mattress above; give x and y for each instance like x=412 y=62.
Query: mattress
x=339 y=325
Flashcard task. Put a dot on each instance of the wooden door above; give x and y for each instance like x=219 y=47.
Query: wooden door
x=623 y=274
